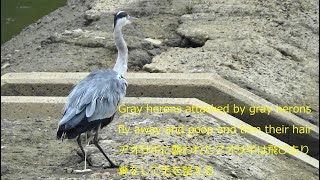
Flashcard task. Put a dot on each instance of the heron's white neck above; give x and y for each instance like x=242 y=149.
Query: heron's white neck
x=122 y=60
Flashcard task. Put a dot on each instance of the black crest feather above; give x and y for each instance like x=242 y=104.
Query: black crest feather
x=119 y=15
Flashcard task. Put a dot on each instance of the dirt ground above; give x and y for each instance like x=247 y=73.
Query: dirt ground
x=30 y=151
x=267 y=47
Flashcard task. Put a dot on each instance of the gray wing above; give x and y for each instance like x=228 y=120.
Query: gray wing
x=95 y=97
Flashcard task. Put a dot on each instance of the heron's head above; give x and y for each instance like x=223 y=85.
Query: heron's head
x=121 y=19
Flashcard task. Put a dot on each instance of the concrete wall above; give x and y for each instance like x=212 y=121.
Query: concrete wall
x=209 y=88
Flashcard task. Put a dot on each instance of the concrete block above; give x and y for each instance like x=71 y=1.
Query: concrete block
x=207 y=87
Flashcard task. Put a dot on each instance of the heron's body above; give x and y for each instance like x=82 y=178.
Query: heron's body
x=94 y=101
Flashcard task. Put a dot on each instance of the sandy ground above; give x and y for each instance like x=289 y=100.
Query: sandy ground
x=30 y=151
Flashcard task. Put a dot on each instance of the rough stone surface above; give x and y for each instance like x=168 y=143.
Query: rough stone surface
x=4 y=169
x=138 y=58
x=268 y=47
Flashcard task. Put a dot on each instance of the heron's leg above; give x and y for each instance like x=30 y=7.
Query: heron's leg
x=82 y=150
x=95 y=141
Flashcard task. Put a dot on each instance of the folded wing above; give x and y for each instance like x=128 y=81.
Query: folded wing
x=94 y=98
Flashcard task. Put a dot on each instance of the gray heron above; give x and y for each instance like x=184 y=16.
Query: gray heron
x=93 y=102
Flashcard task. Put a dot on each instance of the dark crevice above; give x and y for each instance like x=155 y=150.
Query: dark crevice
x=191 y=43
x=53 y=39
x=88 y=22
x=185 y=42
x=288 y=53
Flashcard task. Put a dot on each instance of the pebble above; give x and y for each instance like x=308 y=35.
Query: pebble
x=153 y=41
x=234 y=174
x=69 y=170
x=100 y=175
x=5 y=65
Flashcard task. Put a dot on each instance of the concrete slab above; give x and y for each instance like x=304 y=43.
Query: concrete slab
x=207 y=87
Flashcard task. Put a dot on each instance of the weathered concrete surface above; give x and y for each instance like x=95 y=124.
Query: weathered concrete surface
x=210 y=88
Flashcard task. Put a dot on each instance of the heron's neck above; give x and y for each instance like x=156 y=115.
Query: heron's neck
x=122 y=60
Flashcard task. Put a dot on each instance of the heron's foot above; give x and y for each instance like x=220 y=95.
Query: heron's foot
x=87 y=159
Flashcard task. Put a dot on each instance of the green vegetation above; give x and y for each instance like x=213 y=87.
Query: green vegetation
x=17 y=14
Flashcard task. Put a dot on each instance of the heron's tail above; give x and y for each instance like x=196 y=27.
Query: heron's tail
x=61 y=134
x=70 y=123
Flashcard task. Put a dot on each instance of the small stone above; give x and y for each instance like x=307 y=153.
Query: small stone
x=189 y=136
x=69 y=170
x=96 y=176
x=5 y=65
x=183 y=61
x=107 y=141
x=106 y=174
x=152 y=68
x=153 y=41
x=67 y=32
x=78 y=30
x=234 y=174
x=92 y=15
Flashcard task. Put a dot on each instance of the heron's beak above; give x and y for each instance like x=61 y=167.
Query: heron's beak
x=133 y=20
